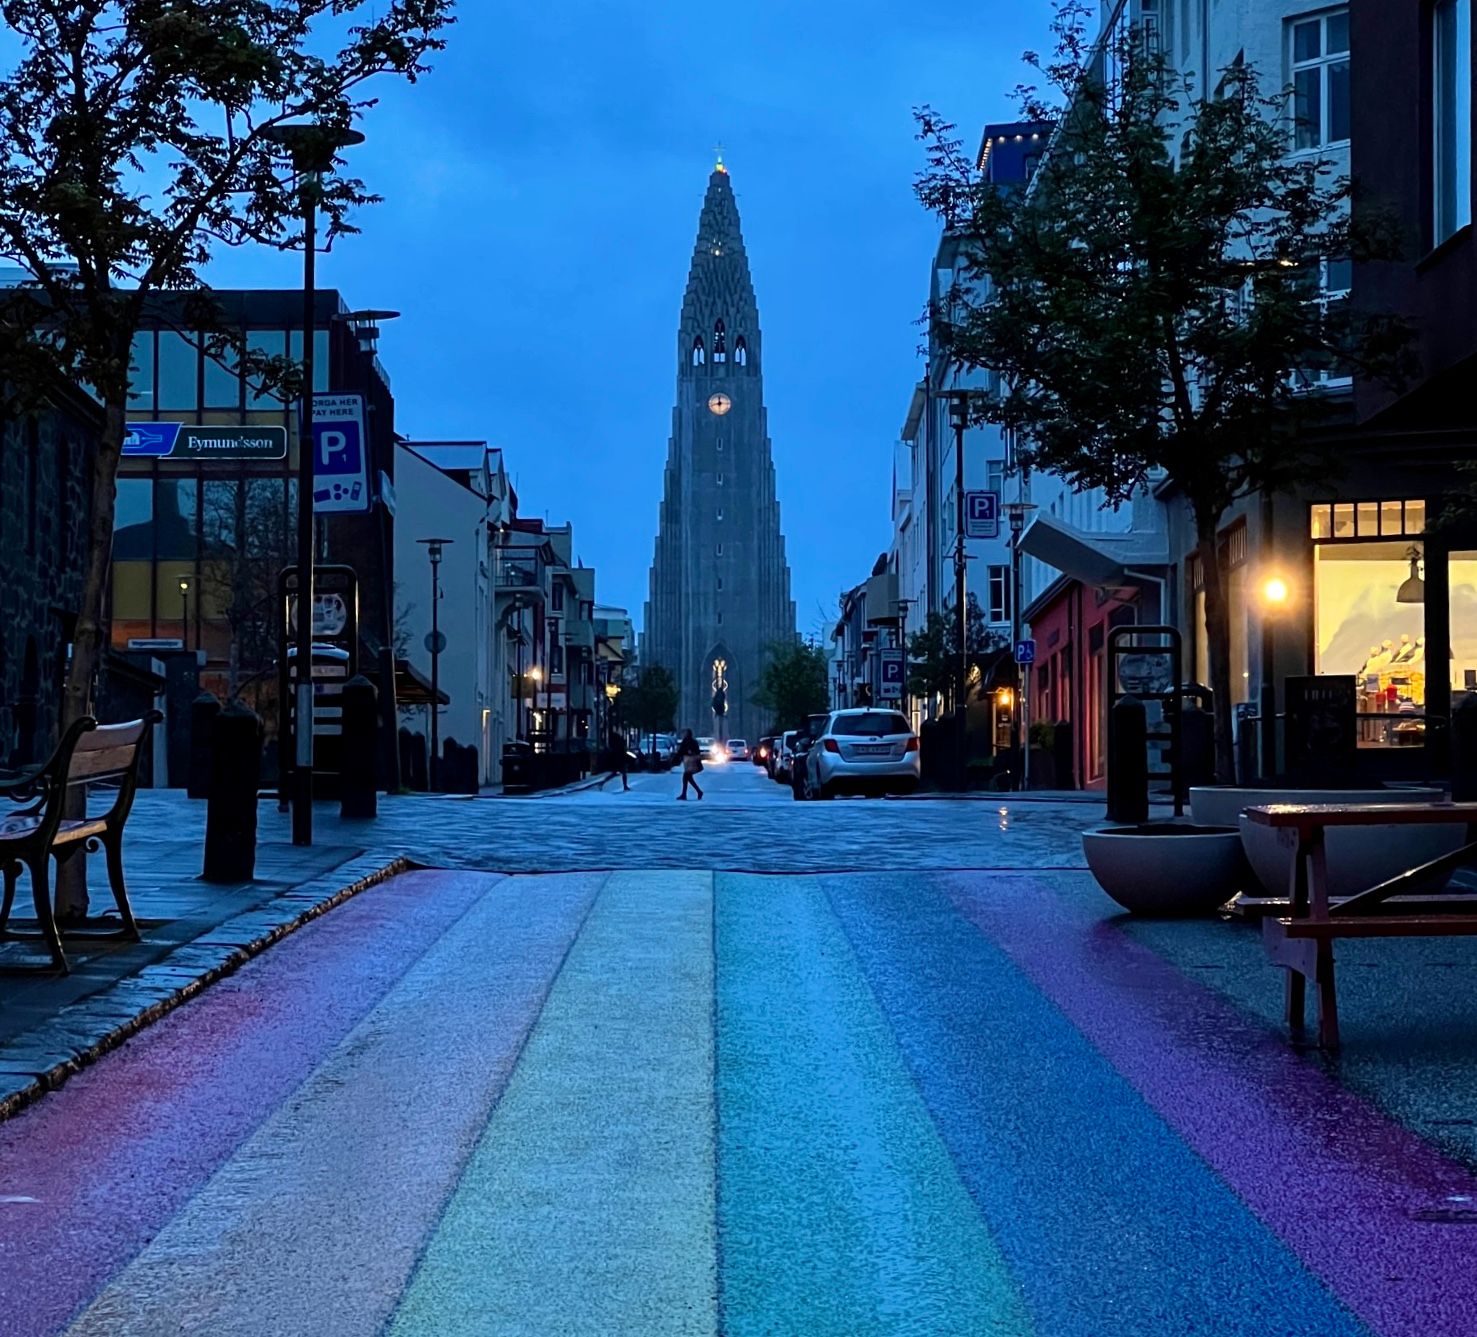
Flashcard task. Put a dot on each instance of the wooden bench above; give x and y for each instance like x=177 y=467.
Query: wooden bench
x=1303 y=940
x=32 y=836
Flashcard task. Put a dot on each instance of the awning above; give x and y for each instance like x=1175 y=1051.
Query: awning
x=1093 y=558
x=413 y=688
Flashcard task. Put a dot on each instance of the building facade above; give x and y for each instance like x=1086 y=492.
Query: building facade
x=720 y=582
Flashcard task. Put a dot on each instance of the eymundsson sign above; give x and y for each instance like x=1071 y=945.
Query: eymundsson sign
x=178 y=441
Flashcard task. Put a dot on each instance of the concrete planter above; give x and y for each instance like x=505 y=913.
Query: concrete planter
x=1168 y=870
x=1358 y=858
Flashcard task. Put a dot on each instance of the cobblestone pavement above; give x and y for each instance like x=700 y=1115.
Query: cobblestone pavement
x=746 y=822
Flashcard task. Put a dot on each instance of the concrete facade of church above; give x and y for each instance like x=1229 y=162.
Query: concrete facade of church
x=720 y=582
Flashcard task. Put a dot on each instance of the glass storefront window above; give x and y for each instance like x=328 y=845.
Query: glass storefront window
x=1463 y=577
x=1392 y=519
x=1415 y=517
x=179 y=367
x=1321 y=521
x=268 y=525
x=1369 y=519
x=269 y=343
x=320 y=356
x=222 y=380
x=1343 y=520
x=141 y=374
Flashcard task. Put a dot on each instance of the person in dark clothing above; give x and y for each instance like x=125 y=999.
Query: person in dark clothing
x=618 y=759
x=690 y=758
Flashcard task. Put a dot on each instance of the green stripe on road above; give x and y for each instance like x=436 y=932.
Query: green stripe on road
x=588 y=1206
x=840 y=1208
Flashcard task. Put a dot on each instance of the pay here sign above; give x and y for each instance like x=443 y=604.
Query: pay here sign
x=340 y=455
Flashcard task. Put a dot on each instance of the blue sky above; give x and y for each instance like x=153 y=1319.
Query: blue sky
x=542 y=190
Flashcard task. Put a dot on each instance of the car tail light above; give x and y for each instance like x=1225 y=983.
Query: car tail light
x=831 y=745
x=912 y=745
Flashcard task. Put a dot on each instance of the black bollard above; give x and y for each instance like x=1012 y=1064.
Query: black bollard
x=204 y=711
x=358 y=793
x=1062 y=754
x=230 y=811
x=1197 y=744
x=1128 y=762
x=1464 y=750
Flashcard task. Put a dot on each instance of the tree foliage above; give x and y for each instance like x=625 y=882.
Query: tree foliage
x=1151 y=301
x=794 y=683
x=134 y=144
x=649 y=703
x=933 y=650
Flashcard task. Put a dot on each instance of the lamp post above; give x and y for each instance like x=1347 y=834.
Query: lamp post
x=312 y=149
x=1275 y=596
x=1016 y=513
x=435 y=643
x=184 y=612
x=537 y=674
x=365 y=327
x=959 y=417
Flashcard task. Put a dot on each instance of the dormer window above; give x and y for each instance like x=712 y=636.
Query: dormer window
x=720 y=343
x=699 y=353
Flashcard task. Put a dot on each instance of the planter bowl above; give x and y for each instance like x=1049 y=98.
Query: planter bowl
x=1169 y=870
x=1358 y=857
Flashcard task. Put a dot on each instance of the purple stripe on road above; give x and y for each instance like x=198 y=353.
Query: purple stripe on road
x=336 y=1192
x=93 y=1172
x=1339 y=1182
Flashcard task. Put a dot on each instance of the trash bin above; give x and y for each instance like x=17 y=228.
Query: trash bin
x=517 y=768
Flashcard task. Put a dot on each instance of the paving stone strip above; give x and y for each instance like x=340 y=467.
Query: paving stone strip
x=40 y=1060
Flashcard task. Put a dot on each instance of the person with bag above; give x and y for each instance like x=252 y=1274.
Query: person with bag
x=690 y=755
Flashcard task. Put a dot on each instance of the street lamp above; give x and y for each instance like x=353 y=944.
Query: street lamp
x=1016 y=513
x=435 y=643
x=312 y=148
x=364 y=325
x=959 y=418
x=537 y=674
x=184 y=612
x=1276 y=596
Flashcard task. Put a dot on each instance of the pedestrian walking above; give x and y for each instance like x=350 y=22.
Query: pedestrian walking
x=690 y=756
x=618 y=759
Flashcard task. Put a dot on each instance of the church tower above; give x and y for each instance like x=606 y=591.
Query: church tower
x=720 y=584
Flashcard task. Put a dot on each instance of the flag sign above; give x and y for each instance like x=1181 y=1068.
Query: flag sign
x=340 y=456
x=981 y=515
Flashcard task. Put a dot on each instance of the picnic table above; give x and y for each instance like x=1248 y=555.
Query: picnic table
x=1302 y=941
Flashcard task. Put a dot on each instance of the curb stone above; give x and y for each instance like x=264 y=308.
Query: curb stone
x=41 y=1060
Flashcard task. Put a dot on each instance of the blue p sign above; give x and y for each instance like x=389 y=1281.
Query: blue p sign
x=340 y=461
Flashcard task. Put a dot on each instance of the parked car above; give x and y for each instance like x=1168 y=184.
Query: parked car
x=738 y=749
x=763 y=749
x=783 y=757
x=804 y=744
x=863 y=752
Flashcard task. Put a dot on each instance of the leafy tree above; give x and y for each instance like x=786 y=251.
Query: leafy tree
x=134 y=143
x=649 y=704
x=794 y=683
x=933 y=650
x=1150 y=303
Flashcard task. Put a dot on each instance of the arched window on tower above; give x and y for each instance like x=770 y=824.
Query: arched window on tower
x=741 y=352
x=720 y=343
x=699 y=354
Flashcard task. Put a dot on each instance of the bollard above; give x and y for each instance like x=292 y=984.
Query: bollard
x=1128 y=762
x=1464 y=750
x=230 y=812
x=204 y=711
x=1062 y=754
x=358 y=792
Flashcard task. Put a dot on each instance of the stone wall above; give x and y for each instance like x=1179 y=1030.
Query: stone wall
x=46 y=466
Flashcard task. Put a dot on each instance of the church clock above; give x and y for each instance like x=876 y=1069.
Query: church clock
x=719 y=404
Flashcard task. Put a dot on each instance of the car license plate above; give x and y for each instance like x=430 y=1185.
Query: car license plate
x=873 y=749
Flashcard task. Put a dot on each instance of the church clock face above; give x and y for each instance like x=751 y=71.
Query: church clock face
x=719 y=404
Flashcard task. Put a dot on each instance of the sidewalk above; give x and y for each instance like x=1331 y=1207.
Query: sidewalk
x=194 y=932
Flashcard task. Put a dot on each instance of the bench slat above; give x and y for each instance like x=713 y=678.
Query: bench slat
x=100 y=762
x=1380 y=926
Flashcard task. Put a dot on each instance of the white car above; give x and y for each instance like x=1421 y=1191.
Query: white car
x=863 y=752
x=738 y=749
x=713 y=752
x=783 y=757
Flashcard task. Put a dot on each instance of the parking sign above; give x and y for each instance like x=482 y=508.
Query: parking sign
x=340 y=456
x=1025 y=652
x=891 y=686
x=981 y=515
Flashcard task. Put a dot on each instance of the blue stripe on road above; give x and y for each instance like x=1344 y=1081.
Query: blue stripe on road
x=1111 y=1223
x=841 y=1214
x=588 y=1206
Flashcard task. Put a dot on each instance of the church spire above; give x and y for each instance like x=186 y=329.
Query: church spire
x=720 y=318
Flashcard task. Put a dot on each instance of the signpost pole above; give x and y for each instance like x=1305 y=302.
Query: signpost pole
x=302 y=799
x=433 y=643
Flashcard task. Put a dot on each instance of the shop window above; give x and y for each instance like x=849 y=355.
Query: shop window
x=141 y=372
x=1463 y=577
x=1366 y=519
x=179 y=373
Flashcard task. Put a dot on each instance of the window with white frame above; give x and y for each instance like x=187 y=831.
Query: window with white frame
x=1451 y=120
x=1149 y=23
x=1328 y=283
x=999 y=607
x=995 y=476
x=1320 y=79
